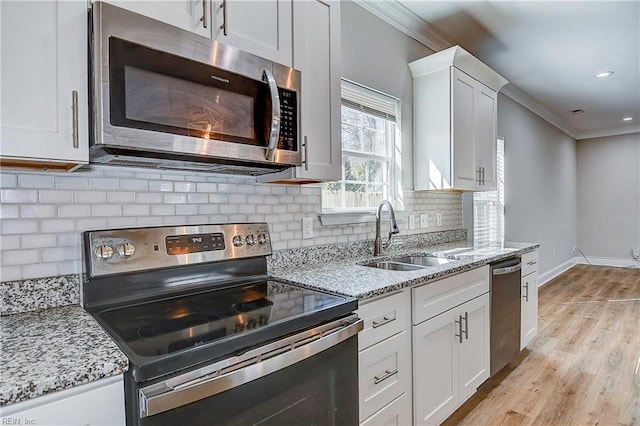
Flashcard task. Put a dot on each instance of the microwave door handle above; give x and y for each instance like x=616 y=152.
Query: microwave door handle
x=275 y=116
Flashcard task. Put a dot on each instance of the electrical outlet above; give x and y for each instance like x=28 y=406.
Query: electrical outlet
x=553 y=250
x=424 y=220
x=412 y=221
x=438 y=219
x=636 y=253
x=307 y=227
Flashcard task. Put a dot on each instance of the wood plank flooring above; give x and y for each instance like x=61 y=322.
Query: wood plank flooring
x=583 y=368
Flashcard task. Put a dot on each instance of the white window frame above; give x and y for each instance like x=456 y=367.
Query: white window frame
x=488 y=208
x=376 y=103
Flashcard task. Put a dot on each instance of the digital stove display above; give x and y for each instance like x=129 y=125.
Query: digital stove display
x=194 y=243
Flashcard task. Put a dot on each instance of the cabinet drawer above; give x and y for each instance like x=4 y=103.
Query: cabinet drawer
x=383 y=318
x=436 y=297
x=384 y=373
x=529 y=263
x=397 y=413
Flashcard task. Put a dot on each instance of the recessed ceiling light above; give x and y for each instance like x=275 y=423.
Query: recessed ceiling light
x=627 y=119
x=603 y=74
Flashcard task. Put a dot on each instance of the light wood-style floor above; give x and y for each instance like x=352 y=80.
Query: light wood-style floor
x=583 y=368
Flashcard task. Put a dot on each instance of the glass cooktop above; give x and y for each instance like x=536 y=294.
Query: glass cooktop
x=218 y=321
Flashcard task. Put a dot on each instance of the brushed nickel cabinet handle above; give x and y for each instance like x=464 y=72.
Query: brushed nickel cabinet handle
x=459 y=322
x=385 y=320
x=386 y=375
x=223 y=27
x=204 y=14
x=526 y=291
x=466 y=325
x=306 y=154
x=74 y=119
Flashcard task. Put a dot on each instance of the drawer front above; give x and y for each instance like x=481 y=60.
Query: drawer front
x=439 y=296
x=383 y=318
x=384 y=373
x=397 y=413
x=529 y=263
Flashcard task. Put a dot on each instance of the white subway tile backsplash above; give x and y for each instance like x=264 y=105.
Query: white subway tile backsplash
x=18 y=196
x=121 y=197
x=44 y=214
x=38 y=241
x=36 y=181
x=20 y=257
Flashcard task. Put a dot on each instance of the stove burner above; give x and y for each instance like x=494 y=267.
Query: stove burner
x=174 y=325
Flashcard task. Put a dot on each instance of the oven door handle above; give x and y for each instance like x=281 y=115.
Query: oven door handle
x=274 y=133
x=170 y=394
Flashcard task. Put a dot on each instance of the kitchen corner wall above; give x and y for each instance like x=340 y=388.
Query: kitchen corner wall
x=43 y=214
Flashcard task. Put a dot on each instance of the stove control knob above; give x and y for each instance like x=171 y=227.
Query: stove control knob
x=250 y=239
x=103 y=252
x=238 y=241
x=252 y=323
x=238 y=327
x=126 y=250
x=263 y=320
x=262 y=238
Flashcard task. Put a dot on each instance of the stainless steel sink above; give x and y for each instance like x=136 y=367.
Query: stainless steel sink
x=422 y=260
x=393 y=266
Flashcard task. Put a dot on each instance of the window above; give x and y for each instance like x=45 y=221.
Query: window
x=488 y=209
x=369 y=140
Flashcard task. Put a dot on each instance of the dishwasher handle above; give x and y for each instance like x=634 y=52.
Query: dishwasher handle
x=507 y=270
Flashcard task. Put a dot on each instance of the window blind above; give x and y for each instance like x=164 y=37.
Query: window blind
x=368 y=100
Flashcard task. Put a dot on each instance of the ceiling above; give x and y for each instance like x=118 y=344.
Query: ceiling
x=550 y=52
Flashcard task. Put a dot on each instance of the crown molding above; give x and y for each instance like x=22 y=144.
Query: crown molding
x=518 y=95
x=617 y=131
x=398 y=16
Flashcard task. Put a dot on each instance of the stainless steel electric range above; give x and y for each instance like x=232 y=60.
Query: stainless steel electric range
x=210 y=339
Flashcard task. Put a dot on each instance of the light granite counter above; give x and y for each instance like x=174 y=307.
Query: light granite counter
x=53 y=349
x=348 y=277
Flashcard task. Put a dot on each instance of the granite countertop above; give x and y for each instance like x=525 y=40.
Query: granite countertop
x=53 y=349
x=348 y=277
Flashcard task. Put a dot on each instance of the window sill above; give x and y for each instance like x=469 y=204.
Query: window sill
x=353 y=217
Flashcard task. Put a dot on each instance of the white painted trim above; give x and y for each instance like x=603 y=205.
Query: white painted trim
x=626 y=130
x=554 y=272
x=518 y=95
x=401 y=18
x=609 y=261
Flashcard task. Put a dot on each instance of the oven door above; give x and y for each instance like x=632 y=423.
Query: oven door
x=310 y=378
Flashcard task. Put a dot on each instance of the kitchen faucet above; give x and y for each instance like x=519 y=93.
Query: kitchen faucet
x=378 y=246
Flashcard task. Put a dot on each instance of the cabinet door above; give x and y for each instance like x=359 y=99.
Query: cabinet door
x=190 y=15
x=397 y=413
x=261 y=27
x=485 y=136
x=463 y=130
x=44 y=67
x=316 y=26
x=529 y=312
x=435 y=368
x=474 y=349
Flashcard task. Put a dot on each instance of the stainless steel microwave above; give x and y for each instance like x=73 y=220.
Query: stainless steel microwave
x=163 y=97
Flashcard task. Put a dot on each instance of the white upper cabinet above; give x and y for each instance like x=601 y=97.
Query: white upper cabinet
x=44 y=117
x=316 y=33
x=455 y=111
x=261 y=27
x=190 y=15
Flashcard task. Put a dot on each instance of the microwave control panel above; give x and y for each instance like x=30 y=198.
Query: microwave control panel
x=288 y=120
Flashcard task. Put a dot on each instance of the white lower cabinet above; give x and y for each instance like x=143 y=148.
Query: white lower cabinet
x=384 y=360
x=450 y=348
x=96 y=403
x=529 y=303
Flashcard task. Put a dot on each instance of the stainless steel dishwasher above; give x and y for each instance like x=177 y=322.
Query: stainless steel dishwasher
x=505 y=312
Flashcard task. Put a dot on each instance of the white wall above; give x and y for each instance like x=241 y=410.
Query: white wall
x=609 y=196
x=540 y=184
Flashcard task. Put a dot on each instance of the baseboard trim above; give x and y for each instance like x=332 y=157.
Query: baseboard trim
x=609 y=261
x=554 y=272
